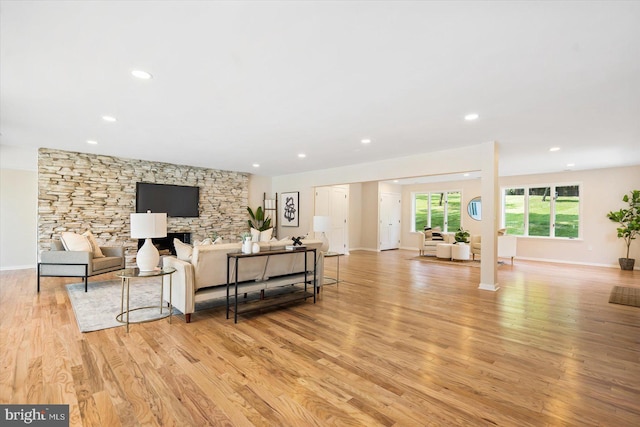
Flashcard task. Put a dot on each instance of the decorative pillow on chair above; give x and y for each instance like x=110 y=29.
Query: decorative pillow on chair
x=183 y=250
x=97 y=252
x=75 y=242
x=428 y=233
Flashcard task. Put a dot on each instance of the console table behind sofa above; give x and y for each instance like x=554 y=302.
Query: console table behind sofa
x=204 y=276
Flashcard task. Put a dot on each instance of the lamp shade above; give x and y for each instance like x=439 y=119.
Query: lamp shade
x=148 y=225
x=321 y=223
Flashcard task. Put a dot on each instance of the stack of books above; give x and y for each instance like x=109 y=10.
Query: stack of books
x=293 y=247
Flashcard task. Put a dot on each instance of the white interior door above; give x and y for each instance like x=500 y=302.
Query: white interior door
x=390 y=214
x=333 y=202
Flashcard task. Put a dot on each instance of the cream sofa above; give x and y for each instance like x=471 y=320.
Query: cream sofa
x=427 y=246
x=204 y=276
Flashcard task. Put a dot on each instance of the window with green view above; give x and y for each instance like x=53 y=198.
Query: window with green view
x=437 y=209
x=548 y=211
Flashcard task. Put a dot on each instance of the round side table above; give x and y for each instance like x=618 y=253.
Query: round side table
x=134 y=273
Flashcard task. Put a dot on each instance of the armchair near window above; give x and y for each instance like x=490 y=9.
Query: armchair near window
x=426 y=243
x=507 y=246
x=59 y=262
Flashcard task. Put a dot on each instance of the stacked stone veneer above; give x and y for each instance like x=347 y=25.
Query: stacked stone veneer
x=80 y=191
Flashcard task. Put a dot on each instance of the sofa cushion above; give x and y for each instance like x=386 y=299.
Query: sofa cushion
x=106 y=262
x=184 y=251
x=75 y=242
x=97 y=252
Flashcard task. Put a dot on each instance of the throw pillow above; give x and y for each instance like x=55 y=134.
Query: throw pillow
x=183 y=250
x=217 y=241
x=75 y=242
x=204 y=242
x=261 y=236
x=428 y=233
x=265 y=235
x=97 y=252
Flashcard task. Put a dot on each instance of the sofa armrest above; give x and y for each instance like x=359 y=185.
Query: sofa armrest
x=183 y=283
x=117 y=251
x=66 y=257
x=65 y=263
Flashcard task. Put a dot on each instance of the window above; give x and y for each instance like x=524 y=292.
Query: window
x=437 y=209
x=548 y=211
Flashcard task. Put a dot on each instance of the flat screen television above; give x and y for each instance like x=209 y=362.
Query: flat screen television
x=175 y=200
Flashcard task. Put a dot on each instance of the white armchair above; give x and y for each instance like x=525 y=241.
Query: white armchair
x=507 y=246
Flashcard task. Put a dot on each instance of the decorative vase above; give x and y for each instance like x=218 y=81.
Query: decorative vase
x=246 y=245
x=255 y=248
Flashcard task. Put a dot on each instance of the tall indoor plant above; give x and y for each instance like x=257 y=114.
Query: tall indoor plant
x=628 y=220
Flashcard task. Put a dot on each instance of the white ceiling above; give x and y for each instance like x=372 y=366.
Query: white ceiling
x=237 y=83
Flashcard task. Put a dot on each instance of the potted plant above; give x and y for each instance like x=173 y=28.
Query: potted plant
x=628 y=220
x=461 y=236
x=258 y=220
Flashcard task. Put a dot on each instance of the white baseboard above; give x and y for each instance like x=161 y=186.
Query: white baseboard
x=558 y=261
x=17 y=267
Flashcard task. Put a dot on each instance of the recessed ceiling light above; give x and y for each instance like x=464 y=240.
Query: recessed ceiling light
x=554 y=149
x=109 y=118
x=141 y=74
x=395 y=180
x=472 y=116
x=302 y=155
x=256 y=165
x=92 y=142
x=366 y=141
x=570 y=165
x=465 y=174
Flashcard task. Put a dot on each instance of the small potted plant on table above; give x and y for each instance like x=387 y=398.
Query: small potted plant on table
x=461 y=236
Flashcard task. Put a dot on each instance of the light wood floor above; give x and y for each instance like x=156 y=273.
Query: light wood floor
x=399 y=342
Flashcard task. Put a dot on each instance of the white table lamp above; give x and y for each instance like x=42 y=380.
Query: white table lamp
x=147 y=226
x=322 y=224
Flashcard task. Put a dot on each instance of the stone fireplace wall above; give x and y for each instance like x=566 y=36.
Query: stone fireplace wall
x=80 y=191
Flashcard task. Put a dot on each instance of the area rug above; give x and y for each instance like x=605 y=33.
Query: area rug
x=97 y=309
x=625 y=296
x=444 y=261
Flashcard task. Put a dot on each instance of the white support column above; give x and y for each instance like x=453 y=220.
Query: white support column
x=489 y=225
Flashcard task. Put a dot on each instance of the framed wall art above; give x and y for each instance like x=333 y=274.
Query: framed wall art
x=290 y=209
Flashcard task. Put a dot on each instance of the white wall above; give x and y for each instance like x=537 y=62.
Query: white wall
x=18 y=207
x=258 y=186
x=355 y=215
x=18 y=219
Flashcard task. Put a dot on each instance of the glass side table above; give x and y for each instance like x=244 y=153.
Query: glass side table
x=134 y=273
x=333 y=280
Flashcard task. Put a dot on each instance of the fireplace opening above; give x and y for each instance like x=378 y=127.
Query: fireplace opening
x=165 y=244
